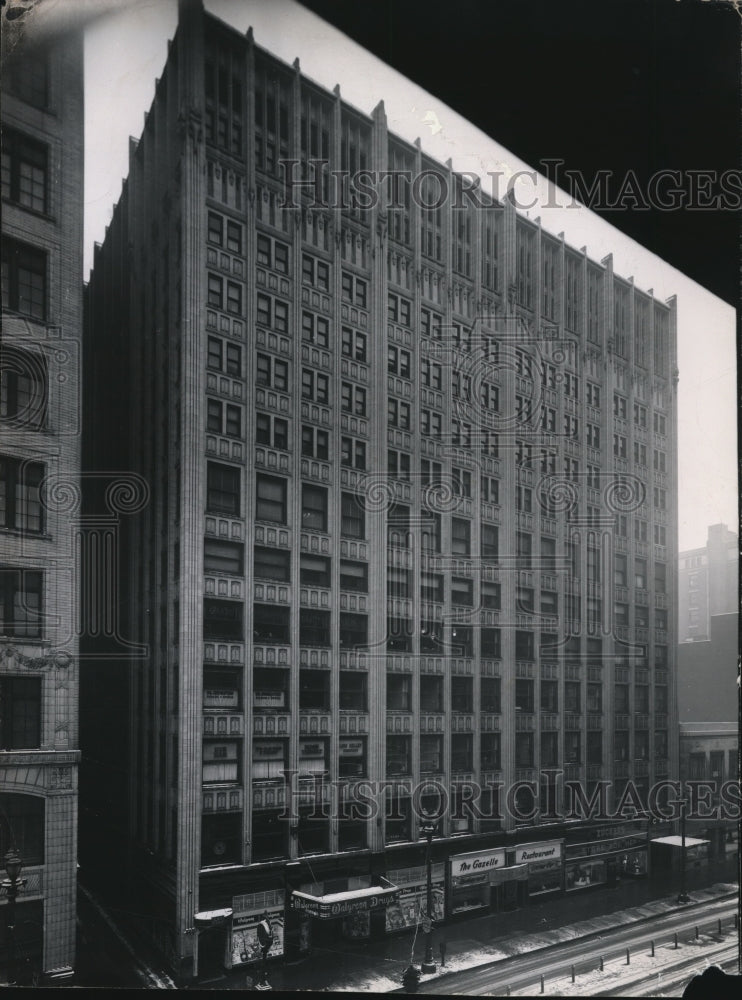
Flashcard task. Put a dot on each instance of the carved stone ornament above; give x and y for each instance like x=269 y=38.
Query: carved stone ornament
x=54 y=658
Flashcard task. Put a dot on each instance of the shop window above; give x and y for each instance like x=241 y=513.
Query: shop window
x=220 y=763
x=224 y=557
x=268 y=760
x=352 y=758
x=353 y=630
x=22 y=826
x=269 y=835
x=462 y=752
x=20 y=713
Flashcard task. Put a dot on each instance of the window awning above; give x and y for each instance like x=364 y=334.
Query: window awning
x=341 y=904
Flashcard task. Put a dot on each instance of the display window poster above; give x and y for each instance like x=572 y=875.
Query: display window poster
x=411 y=905
x=245 y=944
x=357 y=925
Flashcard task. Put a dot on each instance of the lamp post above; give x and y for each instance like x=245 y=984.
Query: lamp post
x=13 y=866
x=428 y=828
x=683 y=896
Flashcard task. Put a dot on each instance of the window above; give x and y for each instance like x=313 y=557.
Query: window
x=549 y=602
x=462 y=752
x=619 y=446
x=461 y=482
x=354 y=290
x=431 y=587
x=21 y=603
x=315 y=329
x=353 y=344
x=460 y=537
x=222 y=619
x=271 y=499
x=23 y=828
x=398 y=582
x=640 y=573
x=315 y=443
x=220 y=762
x=398 y=464
x=549 y=696
x=524 y=696
x=640 y=530
x=353 y=399
x=524 y=599
x=592 y=394
x=572 y=747
x=352 y=453
x=216 y=233
x=353 y=690
x=462 y=591
x=222 y=489
x=430 y=532
x=20 y=498
x=354 y=576
x=268 y=760
x=224 y=557
x=272 y=253
x=353 y=516
x=23 y=387
x=315 y=272
x=490 y=643
x=398 y=635
x=659 y=422
x=398 y=757
x=524 y=645
x=398 y=414
x=314 y=685
x=431 y=374
x=621 y=698
x=523 y=548
x=223 y=418
x=640 y=453
x=524 y=749
x=272 y=313
x=489 y=694
x=595 y=697
x=314 y=386
x=224 y=357
x=619 y=406
x=490 y=595
x=314 y=571
x=431 y=423
x=23 y=279
x=271 y=624
x=431 y=754
x=399 y=309
x=398 y=362
x=353 y=630
x=462 y=640
x=660 y=578
x=272 y=431
x=549 y=749
x=431 y=637
x=223 y=688
x=659 y=498
x=20 y=713
x=431 y=693
x=272 y=564
x=314 y=630
x=572 y=696
x=399 y=692
x=489 y=489
x=272 y=372
x=660 y=619
x=620 y=572
x=24 y=171
x=621 y=614
x=462 y=694
x=313 y=508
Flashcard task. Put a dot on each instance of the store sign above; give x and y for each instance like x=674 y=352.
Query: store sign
x=528 y=853
x=351 y=748
x=476 y=864
x=326 y=910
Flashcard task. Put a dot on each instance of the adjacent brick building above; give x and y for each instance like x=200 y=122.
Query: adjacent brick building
x=411 y=515
x=40 y=422
x=708 y=583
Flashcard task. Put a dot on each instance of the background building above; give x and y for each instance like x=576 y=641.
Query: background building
x=708 y=583
x=42 y=193
x=412 y=515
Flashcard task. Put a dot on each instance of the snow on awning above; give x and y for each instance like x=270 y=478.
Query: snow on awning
x=678 y=841
x=207 y=918
x=340 y=904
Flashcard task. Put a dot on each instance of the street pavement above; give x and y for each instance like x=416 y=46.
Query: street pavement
x=377 y=966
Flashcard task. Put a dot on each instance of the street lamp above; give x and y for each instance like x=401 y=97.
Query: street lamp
x=13 y=866
x=683 y=896
x=428 y=828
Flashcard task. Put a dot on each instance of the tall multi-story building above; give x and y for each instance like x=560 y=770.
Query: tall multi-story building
x=42 y=194
x=411 y=465
x=708 y=583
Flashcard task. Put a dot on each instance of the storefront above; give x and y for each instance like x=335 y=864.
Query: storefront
x=342 y=907
x=605 y=854
x=544 y=866
x=411 y=905
x=247 y=912
x=471 y=878
x=667 y=853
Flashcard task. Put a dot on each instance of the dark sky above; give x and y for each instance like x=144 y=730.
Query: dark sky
x=619 y=85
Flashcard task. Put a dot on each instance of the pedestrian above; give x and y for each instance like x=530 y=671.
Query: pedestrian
x=265 y=940
x=442 y=946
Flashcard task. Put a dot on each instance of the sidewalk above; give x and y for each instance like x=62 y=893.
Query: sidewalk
x=377 y=967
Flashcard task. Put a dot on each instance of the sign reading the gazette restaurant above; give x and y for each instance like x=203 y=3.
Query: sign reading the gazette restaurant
x=550 y=851
x=476 y=864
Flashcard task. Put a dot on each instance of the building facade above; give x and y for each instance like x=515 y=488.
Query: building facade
x=709 y=752
x=411 y=517
x=40 y=421
x=708 y=583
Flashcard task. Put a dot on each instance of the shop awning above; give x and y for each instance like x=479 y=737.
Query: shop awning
x=678 y=841
x=209 y=918
x=341 y=904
